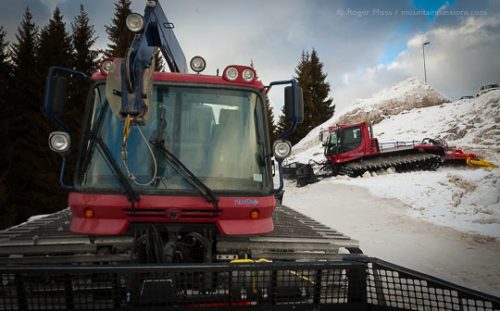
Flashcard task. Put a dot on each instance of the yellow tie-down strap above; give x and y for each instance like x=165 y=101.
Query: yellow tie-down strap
x=254 y=287
x=480 y=162
x=250 y=260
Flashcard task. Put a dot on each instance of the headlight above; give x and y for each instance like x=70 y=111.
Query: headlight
x=248 y=75
x=135 y=22
x=197 y=64
x=231 y=73
x=106 y=66
x=59 y=142
x=282 y=149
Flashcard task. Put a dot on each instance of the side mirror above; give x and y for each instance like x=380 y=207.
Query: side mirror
x=294 y=111
x=57 y=94
x=294 y=103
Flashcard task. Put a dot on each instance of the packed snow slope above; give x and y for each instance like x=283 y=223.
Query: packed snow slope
x=464 y=198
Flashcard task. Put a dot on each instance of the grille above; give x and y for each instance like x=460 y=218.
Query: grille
x=172 y=213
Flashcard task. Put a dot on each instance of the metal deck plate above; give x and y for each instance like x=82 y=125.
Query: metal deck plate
x=49 y=240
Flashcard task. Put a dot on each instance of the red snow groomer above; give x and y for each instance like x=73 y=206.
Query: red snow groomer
x=353 y=150
x=174 y=159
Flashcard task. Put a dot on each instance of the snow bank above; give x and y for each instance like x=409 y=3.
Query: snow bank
x=470 y=124
x=460 y=197
x=408 y=94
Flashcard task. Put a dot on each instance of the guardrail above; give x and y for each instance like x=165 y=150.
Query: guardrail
x=350 y=284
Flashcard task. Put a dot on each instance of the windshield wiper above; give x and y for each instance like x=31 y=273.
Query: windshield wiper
x=106 y=153
x=122 y=179
x=182 y=170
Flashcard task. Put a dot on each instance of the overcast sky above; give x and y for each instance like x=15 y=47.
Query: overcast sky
x=364 y=45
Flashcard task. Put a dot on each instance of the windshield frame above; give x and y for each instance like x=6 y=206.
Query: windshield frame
x=89 y=145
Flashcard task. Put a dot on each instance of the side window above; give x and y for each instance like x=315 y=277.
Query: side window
x=351 y=139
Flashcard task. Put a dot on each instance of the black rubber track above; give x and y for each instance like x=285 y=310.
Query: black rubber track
x=401 y=163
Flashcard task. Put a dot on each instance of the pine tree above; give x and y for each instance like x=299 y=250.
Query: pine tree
x=118 y=33
x=5 y=68
x=84 y=60
x=5 y=79
x=55 y=44
x=321 y=108
x=317 y=106
x=29 y=166
x=24 y=59
x=302 y=76
x=269 y=114
x=270 y=121
x=82 y=41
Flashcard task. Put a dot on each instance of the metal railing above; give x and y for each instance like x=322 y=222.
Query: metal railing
x=384 y=146
x=360 y=284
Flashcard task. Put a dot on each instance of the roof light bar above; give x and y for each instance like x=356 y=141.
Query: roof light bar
x=231 y=73
x=241 y=74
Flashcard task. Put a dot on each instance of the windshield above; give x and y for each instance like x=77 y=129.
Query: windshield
x=218 y=134
x=332 y=143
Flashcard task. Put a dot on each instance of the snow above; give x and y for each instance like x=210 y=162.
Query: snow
x=385 y=230
x=37 y=217
x=463 y=198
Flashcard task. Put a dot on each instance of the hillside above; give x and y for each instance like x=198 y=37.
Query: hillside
x=460 y=197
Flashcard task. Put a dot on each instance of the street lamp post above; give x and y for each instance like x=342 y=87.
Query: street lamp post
x=423 y=56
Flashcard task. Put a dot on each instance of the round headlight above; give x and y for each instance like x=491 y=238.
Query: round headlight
x=197 y=64
x=248 y=75
x=59 y=142
x=282 y=149
x=231 y=73
x=106 y=66
x=135 y=22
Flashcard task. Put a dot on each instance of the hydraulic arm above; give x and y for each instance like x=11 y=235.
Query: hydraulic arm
x=153 y=31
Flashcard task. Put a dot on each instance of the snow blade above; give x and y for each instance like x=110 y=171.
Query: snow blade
x=349 y=284
x=290 y=170
x=305 y=175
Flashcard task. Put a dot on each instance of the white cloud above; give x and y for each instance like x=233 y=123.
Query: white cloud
x=52 y=4
x=459 y=59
